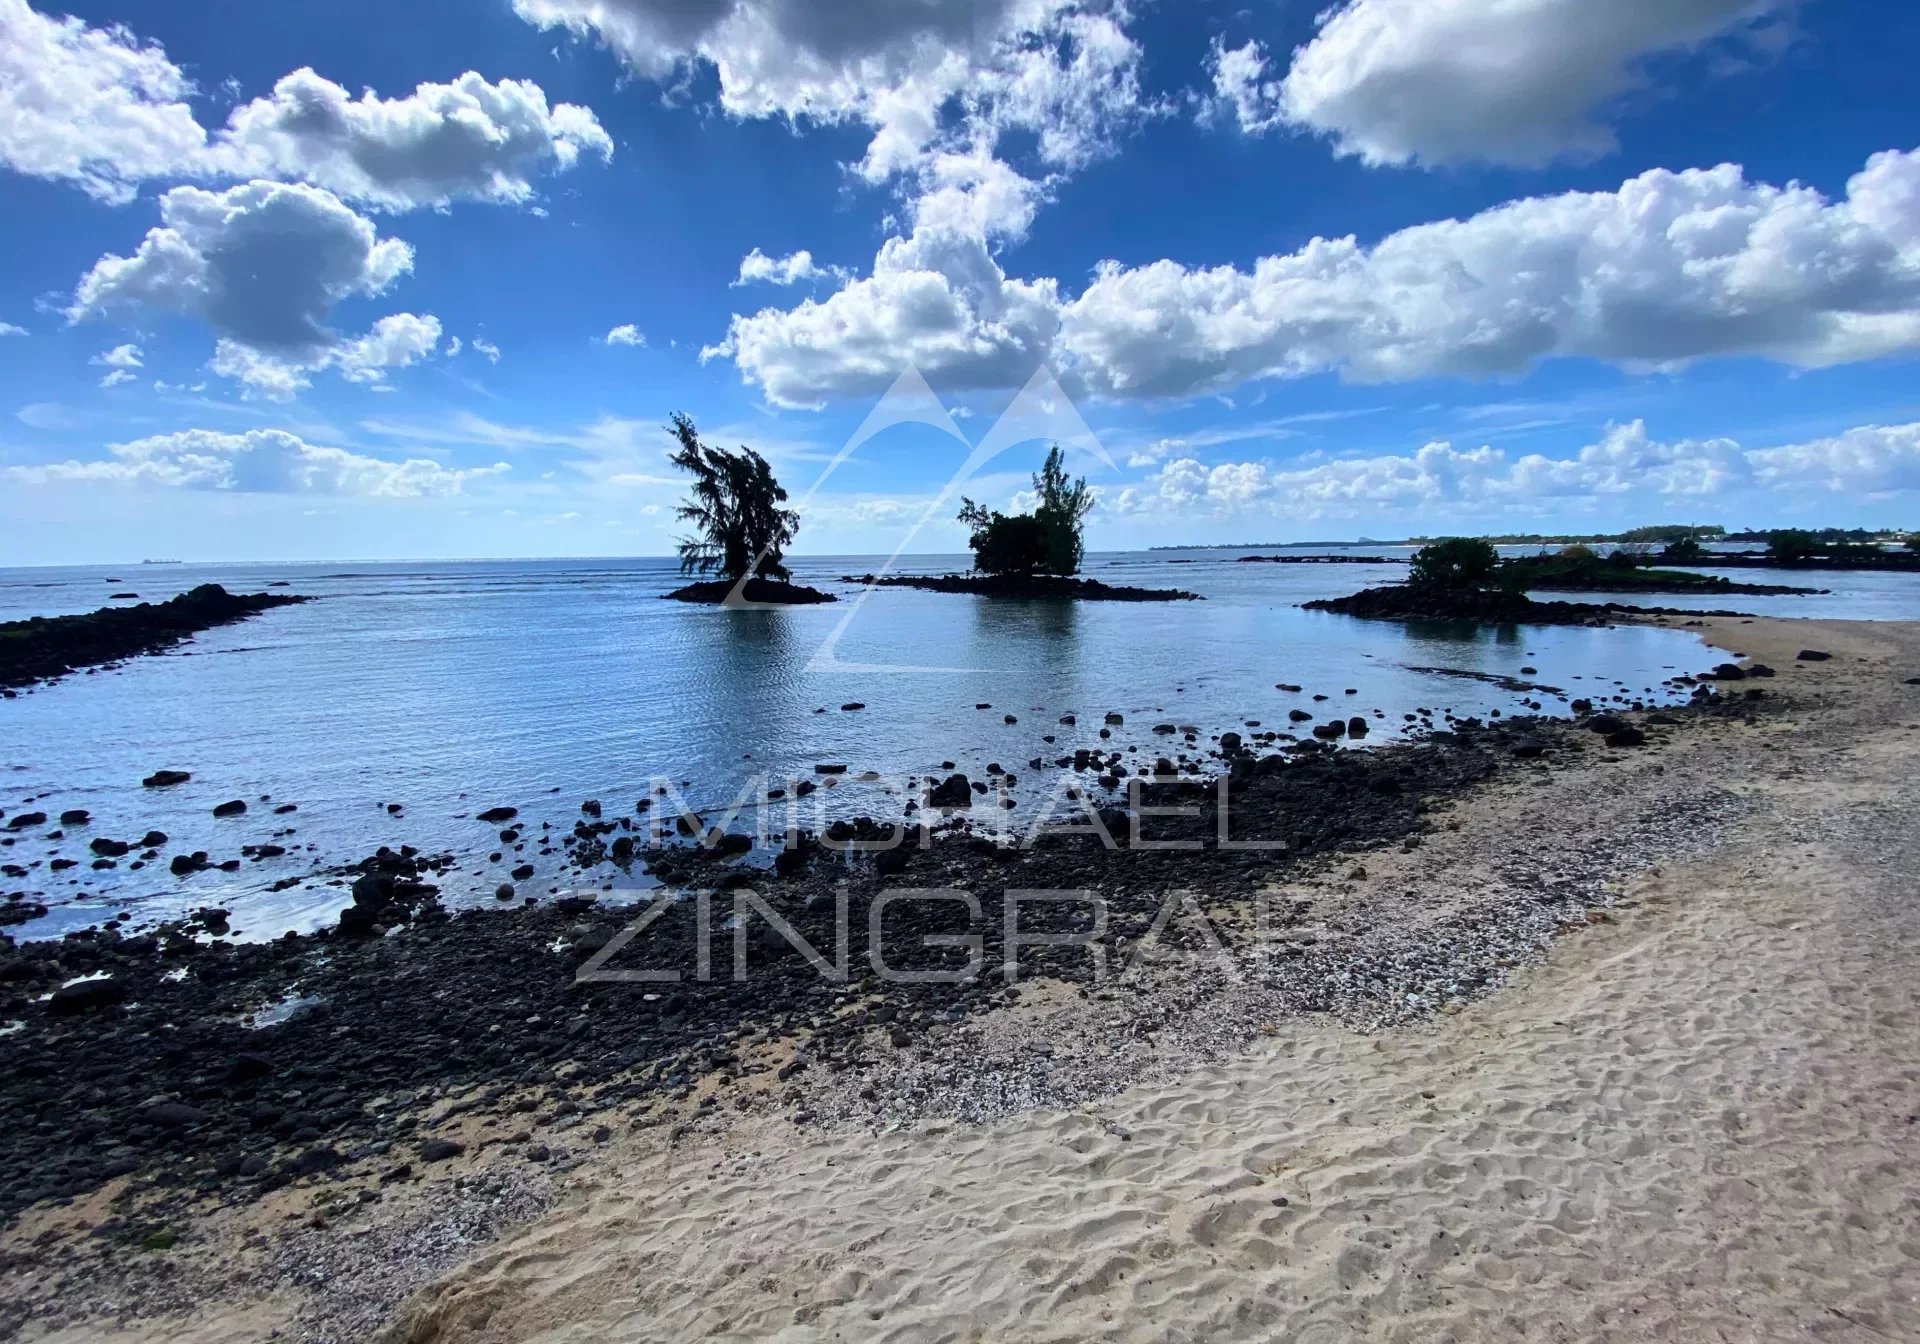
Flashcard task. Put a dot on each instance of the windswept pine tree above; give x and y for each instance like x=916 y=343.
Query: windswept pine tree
x=743 y=529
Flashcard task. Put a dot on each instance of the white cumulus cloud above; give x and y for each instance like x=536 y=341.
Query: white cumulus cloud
x=107 y=111
x=1509 y=81
x=1244 y=87
x=758 y=267
x=263 y=265
x=120 y=357
x=468 y=140
x=1064 y=70
x=937 y=300
x=93 y=106
x=8 y=329
x=625 y=334
x=269 y=461
x=1439 y=479
x=1669 y=269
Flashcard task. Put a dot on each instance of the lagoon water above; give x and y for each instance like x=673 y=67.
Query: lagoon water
x=452 y=687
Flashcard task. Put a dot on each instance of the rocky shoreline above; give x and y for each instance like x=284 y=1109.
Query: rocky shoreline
x=291 y=1063
x=46 y=648
x=1044 y=587
x=1491 y=606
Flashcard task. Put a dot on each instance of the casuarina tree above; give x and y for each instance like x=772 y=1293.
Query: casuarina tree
x=1050 y=540
x=742 y=528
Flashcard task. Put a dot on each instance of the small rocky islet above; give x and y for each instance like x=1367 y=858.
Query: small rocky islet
x=754 y=592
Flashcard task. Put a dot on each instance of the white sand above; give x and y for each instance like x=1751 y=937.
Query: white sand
x=1698 y=1122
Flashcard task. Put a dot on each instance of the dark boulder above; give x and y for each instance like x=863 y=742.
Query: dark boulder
x=1627 y=737
x=161 y=779
x=69 y=1000
x=173 y=1115
x=110 y=849
x=953 y=792
x=373 y=890
x=232 y=808
x=493 y=816
x=75 y=816
x=26 y=819
x=246 y=1068
x=1812 y=656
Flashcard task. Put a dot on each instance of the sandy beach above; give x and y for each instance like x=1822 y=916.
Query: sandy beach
x=1694 y=1117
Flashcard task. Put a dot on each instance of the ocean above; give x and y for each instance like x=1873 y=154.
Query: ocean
x=448 y=688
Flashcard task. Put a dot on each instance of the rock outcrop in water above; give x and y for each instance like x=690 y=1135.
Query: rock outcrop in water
x=48 y=647
x=1024 y=586
x=1489 y=606
x=760 y=592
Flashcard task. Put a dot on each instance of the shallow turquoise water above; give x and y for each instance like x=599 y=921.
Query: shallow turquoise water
x=452 y=687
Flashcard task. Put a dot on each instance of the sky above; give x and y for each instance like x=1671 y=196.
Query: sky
x=426 y=279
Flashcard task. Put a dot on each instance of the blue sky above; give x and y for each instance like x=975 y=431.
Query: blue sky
x=425 y=279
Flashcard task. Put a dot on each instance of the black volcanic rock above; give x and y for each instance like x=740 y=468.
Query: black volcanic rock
x=953 y=792
x=758 y=592
x=1490 y=606
x=47 y=647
